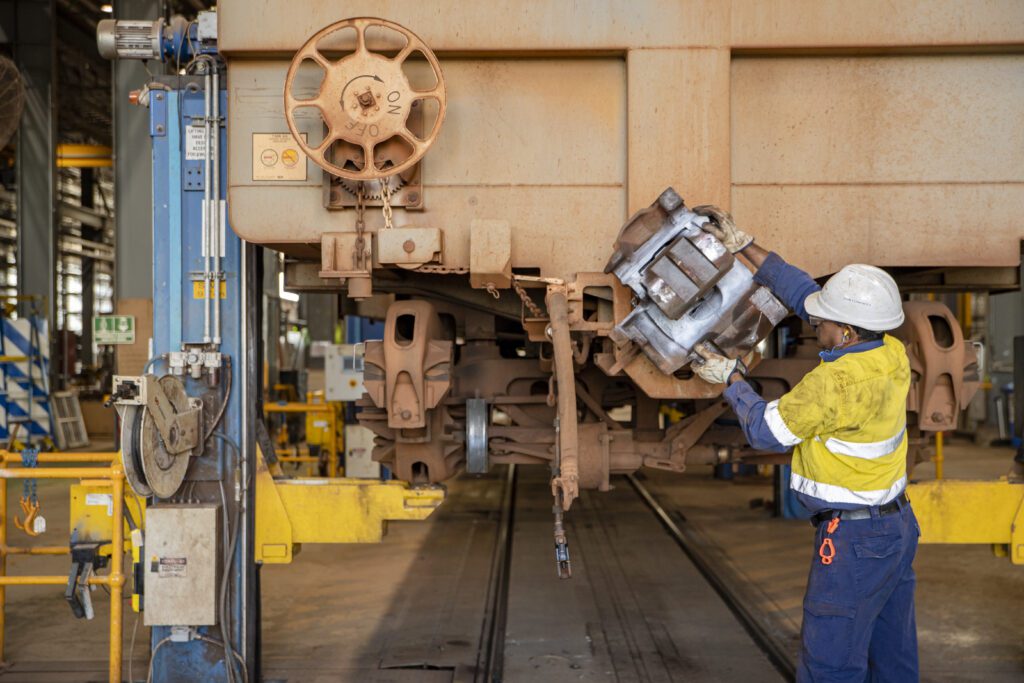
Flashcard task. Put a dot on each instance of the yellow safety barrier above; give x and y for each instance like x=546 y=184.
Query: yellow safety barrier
x=290 y=512
x=329 y=441
x=986 y=512
x=283 y=455
x=112 y=476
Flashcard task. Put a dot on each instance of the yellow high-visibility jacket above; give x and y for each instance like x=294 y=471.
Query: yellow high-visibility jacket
x=847 y=421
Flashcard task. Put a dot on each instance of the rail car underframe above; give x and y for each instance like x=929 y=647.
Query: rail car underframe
x=497 y=351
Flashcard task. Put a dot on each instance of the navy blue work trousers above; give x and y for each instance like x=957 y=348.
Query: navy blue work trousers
x=858 y=622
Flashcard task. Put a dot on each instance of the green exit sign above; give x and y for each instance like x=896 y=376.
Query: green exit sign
x=113 y=329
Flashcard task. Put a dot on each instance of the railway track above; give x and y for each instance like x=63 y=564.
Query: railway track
x=631 y=636
x=491 y=659
x=733 y=591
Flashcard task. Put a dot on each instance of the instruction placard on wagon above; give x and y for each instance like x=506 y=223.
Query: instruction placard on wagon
x=276 y=156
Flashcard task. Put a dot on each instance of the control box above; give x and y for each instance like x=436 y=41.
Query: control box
x=343 y=372
x=182 y=556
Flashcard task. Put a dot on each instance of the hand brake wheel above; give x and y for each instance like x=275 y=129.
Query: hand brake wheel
x=364 y=100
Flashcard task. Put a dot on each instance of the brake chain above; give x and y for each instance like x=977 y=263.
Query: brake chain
x=359 y=256
x=527 y=301
x=385 y=190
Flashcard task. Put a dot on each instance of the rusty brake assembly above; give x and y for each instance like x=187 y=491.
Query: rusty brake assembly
x=688 y=289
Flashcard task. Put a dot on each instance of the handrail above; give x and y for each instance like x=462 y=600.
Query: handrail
x=115 y=580
x=330 y=412
x=15 y=457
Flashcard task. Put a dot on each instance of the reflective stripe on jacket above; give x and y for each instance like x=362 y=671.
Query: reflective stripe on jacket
x=847 y=421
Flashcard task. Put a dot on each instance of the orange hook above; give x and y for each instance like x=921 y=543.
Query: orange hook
x=827 y=551
x=31 y=511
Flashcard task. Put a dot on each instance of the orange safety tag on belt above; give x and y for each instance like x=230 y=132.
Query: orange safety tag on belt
x=827 y=551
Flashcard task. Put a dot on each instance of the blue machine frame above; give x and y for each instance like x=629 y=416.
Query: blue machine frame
x=178 y=318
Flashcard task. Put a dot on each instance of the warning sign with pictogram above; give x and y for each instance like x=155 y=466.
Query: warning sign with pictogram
x=276 y=156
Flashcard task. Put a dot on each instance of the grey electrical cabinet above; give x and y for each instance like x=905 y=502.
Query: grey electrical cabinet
x=182 y=565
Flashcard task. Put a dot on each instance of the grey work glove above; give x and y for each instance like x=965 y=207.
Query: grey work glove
x=724 y=228
x=715 y=368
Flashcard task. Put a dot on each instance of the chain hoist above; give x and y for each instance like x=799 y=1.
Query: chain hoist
x=33 y=523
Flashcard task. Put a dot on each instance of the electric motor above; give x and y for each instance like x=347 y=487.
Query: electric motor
x=129 y=38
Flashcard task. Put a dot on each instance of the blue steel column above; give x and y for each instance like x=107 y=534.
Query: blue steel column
x=178 y=319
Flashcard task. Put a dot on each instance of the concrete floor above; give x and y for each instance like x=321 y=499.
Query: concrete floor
x=416 y=603
x=332 y=611
x=970 y=604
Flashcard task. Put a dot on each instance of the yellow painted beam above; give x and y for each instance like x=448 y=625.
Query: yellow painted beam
x=70 y=150
x=986 y=512
x=295 y=407
x=84 y=163
x=83 y=156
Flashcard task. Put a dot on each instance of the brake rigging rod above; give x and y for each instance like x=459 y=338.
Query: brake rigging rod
x=564 y=566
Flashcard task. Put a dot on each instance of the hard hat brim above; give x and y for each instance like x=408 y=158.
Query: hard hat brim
x=819 y=309
x=812 y=304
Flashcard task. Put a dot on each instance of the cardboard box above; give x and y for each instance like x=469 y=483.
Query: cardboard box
x=131 y=358
x=99 y=421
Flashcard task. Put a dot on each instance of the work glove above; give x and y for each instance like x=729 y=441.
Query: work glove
x=715 y=368
x=724 y=228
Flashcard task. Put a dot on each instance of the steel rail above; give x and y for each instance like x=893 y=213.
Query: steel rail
x=491 y=657
x=757 y=625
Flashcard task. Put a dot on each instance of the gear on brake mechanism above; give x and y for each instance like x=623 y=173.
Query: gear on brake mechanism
x=372 y=189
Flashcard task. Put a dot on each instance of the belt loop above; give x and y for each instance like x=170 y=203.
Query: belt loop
x=876 y=517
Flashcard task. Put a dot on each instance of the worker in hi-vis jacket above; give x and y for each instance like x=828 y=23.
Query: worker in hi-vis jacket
x=846 y=424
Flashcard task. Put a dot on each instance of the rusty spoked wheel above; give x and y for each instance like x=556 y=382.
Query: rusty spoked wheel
x=365 y=99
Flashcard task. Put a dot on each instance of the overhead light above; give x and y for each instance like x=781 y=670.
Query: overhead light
x=107 y=8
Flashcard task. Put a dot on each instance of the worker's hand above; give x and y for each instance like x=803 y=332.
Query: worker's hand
x=715 y=368
x=724 y=228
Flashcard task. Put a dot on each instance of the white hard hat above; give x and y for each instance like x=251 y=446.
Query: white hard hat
x=859 y=295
